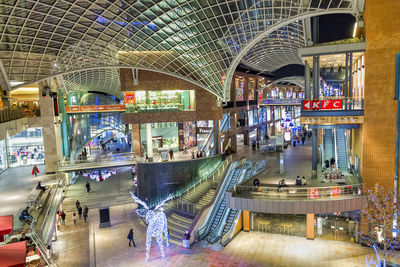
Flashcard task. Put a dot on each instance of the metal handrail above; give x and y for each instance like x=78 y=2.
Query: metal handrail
x=215 y=199
x=43 y=250
x=299 y=193
x=243 y=171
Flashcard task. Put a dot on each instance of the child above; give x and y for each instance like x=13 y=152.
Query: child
x=74 y=217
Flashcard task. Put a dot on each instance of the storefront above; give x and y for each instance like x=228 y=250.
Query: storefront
x=204 y=128
x=25 y=148
x=159 y=101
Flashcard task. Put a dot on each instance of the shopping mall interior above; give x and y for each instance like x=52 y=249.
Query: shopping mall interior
x=207 y=133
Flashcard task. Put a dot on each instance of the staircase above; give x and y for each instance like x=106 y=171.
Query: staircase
x=329 y=146
x=341 y=143
x=180 y=220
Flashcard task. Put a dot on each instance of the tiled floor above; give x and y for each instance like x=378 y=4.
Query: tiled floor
x=15 y=186
x=88 y=245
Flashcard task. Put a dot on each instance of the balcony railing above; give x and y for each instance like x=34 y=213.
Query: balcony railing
x=11 y=114
x=298 y=193
x=282 y=101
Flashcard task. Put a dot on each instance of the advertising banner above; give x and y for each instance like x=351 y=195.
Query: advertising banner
x=129 y=97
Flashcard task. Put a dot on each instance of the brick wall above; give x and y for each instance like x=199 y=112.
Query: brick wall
x=206 y=103
x=382 y=28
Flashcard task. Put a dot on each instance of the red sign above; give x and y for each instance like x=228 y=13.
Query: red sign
x=306 y=104
x=129 y=97
x=101 y=108
x=326 y=104
x=337 y=103
x=316 y=104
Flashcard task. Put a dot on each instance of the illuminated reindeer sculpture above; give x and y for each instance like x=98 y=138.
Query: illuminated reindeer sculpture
x=157 y=224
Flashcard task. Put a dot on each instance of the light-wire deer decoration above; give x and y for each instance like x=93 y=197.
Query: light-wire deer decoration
x=156 y=223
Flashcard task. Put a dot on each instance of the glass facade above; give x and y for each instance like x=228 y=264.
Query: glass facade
x=159 y=101
x=164 y=134
x=26 y=148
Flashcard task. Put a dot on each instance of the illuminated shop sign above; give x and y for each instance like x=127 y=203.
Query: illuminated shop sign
x=100 y=108
x=329 y=104
x=204 y=130
x=130 y=97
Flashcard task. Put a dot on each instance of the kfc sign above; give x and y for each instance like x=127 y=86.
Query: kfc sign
x=306 y=104
x=326 y=104
x=316 y=104
x=322 y=104
x=337 y=104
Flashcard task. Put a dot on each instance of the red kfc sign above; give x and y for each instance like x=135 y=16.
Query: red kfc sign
x=326 y=104
x=316 y=104
x=306 y=104
x=337 y=103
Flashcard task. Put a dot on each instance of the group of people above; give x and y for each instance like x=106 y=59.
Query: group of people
x=297 y=140
x=330 y=163
x=26 y=217
x=80 y=211
x=197 y=155
x=301 y=181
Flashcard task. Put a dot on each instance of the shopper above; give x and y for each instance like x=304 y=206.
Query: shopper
x=88 y=187
x=35 y=170
x=40 y=187
x=130 y=237
x=80 y=211
x=298 y=139
x=201 y=154
x=197 y=155
x=85 y=213
x=303 y=180
x=62 y=218
x=186 y=240
x=303 y=139
x=74 y=217
x=327 y=163
x=192 y=154
x=332 y=162
x=171 y=153
x=77 y=204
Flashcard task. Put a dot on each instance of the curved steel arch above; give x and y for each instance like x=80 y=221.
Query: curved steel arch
x=255 y=40
x=297 y=80
x=199 y=40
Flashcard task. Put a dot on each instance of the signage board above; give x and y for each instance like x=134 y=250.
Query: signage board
x=129 y=97
x=306 y=104
x=326 y=104
x=204 y=130
x=101 y=108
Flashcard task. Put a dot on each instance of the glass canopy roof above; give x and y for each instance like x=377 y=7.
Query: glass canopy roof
x=201 y=41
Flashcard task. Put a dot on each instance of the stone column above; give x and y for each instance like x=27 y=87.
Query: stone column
x=149 y=138
x=136 y=143
x=314 y=152
x=246 y=138
x=233 y=91
x=48 y=122
x=315 y=77
x=217 y=137
x=307 y=81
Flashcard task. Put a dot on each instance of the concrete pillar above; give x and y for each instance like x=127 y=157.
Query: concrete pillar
x=246 y=138
x=310 y=226
x=233 y=143
x=246 y=221
x=136 y=144
x=314 y=152
x=149 y=139
x=315 y=77
x=307 y=81
x=48 y=122
x=245 y=89
x=233 y=91
x=217 y=137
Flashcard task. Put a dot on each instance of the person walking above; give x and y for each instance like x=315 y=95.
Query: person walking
x=87 y=187
x=192 y=154
x=186 y=240
x=171 y=153
x=85 y=213
x=77 y=204
x=74 y=217
x=130 y=237
x=35 y=170
x=63 y=218
x=80 y=211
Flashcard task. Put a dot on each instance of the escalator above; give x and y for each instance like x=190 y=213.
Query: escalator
x=224 y=222
x=329 y=145
x=342 y=152
x=208 y=145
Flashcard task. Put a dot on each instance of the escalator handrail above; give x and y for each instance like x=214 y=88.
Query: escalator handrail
x=244 y=168
x=218 y=202
x=225 y=239
x=215 y=199
x=323 y=149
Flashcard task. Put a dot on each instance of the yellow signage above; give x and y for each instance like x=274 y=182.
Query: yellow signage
x=129 y=97
x=332 y=120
